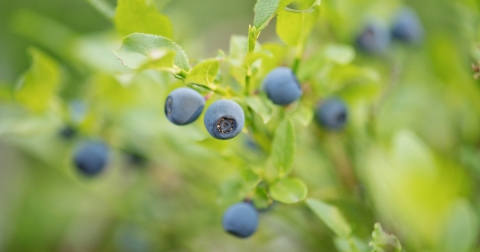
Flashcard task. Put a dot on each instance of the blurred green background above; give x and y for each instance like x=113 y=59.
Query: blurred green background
x=413 y=164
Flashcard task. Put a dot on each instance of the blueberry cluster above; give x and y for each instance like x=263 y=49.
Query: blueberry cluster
x=376 y=36
x=224 y=119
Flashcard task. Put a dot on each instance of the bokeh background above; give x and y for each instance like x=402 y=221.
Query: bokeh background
x=414 y=165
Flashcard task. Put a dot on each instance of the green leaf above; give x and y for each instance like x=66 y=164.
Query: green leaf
x=293 y=26
x=230 y=191
x=305 y=4
x=238 y=49
x=289 y=191
x=251 y=179
x=258 y=55
x=141 y=50
x=39 y=84
x=104 y=7
x=221 y=55
x=303 y=114
x=236 y=188
x=283 y=146
x=331 y=216
x=340 y=54
x=383 y=242
x=237 y=52
x=265 y=10
x=141 y=16
x=260 y=198
x=243 y=104
x=253 y=34
x=278 y=51
x=204 y=73
x=261 y=105
x=351 y=244
x=459 y=232
x=162 y=60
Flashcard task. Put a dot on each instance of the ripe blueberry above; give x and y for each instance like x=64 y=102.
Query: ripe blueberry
x=375 y=38
x=184 y=105
x=224 y=119
x=68 y=132
x=282 y=86
x=240 y=220
x=91 y=158
x=332 y=114
x=407 y=27
x=136 y=159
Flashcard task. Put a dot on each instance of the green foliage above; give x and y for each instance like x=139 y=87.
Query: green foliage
x=141 y=51
x=460 y=230
x=303 y=114
x=283 y=146
x=261 y=199
x=409 y=155
x=104 y=7
x=37 y=88
x=266 y=10
x=204 y=74
x=331 y=216
x=161 y=60
x=289 y=190
x=141 y=16
x=43 y=30
x=383 y=242
x=294 y=26
x=340 y=54
x=262 y=106
x=238 y=187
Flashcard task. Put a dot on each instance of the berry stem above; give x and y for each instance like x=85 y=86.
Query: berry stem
x=182 y=74
x=247 y=84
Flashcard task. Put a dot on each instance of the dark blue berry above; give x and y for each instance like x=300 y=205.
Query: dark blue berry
x=375 y=38
x=282 y=86
x=224 y=119
x=332 y=114
x=407 y=27
x=240 y=220
x=184 y=105
x=136 y=159
x=68 y=132
x=91 y=158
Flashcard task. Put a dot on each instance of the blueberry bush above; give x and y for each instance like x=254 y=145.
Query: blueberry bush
x=259 y=125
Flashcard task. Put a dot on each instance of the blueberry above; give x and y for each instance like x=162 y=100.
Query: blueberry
x=184 y=105
x=332 y=114
x=375 y=38
x=240 y=220
x=136 y=159
x=282 y=86
x=91 y=158
x=407 y=27
x=224 y=119
x=68 y=132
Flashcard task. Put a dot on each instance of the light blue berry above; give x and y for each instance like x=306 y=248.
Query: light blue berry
x=184 y=105
x=282 y=86
x=224 y=119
